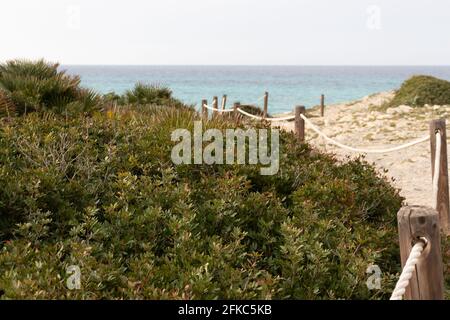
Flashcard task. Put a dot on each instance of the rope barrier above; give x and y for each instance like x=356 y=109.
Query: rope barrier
x=261 y=118
x=217 y=110
x=343 y=146
x=330 y=140
x=416 y=251
x=437 y=162
x=408 y=270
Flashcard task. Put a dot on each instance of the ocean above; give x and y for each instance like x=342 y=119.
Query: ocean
x=288 y=86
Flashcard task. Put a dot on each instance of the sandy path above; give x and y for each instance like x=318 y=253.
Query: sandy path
x=362 y=124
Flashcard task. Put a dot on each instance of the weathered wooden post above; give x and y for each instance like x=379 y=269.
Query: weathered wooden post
x=236 y=105
x=322 y=105
x=215 y=105
x=266 y=104
x=204 y=109
x=299 y=123
x=443 y=206
x=224 y=101
x=415 y=222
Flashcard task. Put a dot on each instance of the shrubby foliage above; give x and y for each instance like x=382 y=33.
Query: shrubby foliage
x=39 y=86
x=420 y=90
x=103 y=194
x=147 y=94
x=144 y=94
x=30 y=86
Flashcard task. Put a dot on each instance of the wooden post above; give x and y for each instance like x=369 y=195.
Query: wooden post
x=427 y=282
x=322 y=105
x=204 y=109
x=215 y=105
x=236 y=105
x=224 y=101
x=266 y=104
x=443 y=206
x=299 y=123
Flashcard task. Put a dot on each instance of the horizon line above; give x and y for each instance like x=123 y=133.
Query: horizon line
x=256 y=65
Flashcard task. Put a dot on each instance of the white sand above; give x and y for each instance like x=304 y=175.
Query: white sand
x=357 y=124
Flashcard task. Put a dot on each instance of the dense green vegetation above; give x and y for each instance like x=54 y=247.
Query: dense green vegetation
x=27 y=86
x=100 y=191
x=420 y=90
x=40 y=86
x=143 y=94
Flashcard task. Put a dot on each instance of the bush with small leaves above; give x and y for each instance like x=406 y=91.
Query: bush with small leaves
x=420 y=90
x=102 y=193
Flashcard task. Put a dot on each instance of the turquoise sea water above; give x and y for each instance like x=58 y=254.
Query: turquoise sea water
x=287 y=85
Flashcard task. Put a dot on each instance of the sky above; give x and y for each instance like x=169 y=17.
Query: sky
x=227 y=32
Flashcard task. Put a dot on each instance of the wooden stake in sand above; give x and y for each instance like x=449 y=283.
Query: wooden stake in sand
x=416 y=223
x=224 y=101
x=236 y=105
x=215 y=106
x=443 y=206
x=322 y=105
x=204 y=109
x=266 y=104
x=299 y=123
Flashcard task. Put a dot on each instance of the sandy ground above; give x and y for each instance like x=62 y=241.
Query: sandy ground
x=364 y=124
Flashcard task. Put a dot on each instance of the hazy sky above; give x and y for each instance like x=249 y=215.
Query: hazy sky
x=276 y=32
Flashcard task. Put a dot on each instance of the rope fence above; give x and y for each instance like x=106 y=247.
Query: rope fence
x=416 y=251
x=217 y=110
x=322 y=134
x=435 y=180
x=346 y=147
x=422 y=275
x=267 y=119
x=408 y=270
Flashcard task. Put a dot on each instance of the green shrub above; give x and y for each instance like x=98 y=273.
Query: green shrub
x=103 y=194
x=143 y=94
x=420 y=90
x=40 y=86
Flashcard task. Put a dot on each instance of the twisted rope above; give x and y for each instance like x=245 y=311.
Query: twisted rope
x=437 y=162
x=343 y=146
x=261 y=118
x=218 y=110
x=408 y=269
x=416 y=251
